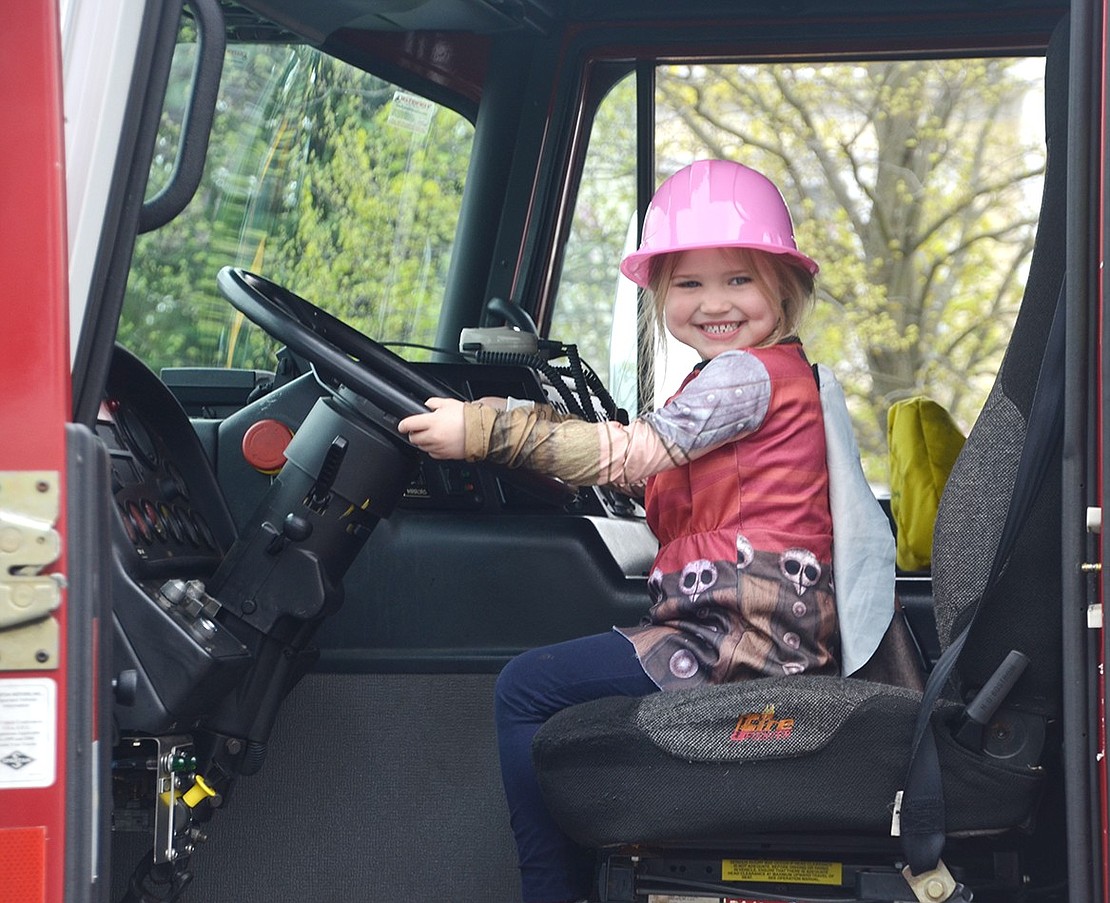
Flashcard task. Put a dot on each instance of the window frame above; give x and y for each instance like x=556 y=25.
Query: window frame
x=593 y=70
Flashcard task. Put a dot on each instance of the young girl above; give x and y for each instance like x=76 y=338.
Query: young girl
x=736 y=491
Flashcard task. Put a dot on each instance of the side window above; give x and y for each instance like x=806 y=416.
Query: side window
x=915 y=185
x=322 y=177
x=595 y=309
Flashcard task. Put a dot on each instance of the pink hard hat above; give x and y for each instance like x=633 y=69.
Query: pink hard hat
x=714 y=204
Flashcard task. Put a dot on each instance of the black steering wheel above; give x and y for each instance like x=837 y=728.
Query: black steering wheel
x=364 y=366
x=337 y=350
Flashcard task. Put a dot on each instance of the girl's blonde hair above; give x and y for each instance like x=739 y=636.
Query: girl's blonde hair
x=779 y=279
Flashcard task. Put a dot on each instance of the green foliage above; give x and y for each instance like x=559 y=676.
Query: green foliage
x=605 y=207
x=375 y=234
x=912 y=183
x=318 y=177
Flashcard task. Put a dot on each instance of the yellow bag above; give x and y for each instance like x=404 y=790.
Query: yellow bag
x=924 y=441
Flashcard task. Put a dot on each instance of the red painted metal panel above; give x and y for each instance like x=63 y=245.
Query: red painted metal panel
x=34 y=389
x=22 y=865
x=34 y=344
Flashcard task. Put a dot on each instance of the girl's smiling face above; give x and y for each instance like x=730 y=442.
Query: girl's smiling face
x=713 y=304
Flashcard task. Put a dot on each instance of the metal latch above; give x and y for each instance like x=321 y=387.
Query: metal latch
x=936 y=885
x=1094 y=610
x=29 y=502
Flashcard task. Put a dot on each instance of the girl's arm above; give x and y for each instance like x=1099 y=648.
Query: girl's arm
x=443 y=432
x=543 y=411
x=729 y=398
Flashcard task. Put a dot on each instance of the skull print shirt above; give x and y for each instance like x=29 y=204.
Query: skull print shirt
x=737 y=493
x=742 y=584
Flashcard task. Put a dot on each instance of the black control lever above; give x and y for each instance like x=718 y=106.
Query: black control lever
x=989 y=699
x=320 y=494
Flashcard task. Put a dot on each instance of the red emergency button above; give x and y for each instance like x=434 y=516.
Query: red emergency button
x=264 y=445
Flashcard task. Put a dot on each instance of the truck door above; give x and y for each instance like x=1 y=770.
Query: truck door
x=43 y=751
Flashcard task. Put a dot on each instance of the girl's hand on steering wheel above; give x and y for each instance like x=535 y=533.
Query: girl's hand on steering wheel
x=440 y=433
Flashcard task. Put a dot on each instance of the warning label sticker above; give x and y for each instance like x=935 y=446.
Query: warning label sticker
x=411 y=112
x=785 y=871
x=28 y=715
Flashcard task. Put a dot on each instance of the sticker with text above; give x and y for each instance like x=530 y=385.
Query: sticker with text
x=762 y=726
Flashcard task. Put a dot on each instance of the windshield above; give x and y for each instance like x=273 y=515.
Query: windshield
x=322 y=177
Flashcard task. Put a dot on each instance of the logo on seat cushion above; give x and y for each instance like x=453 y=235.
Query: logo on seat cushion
x=762 y=726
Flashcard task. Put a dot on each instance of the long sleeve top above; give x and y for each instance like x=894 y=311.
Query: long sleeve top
x=737 y=494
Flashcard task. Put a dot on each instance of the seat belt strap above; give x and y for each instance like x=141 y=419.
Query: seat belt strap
x=922 y=807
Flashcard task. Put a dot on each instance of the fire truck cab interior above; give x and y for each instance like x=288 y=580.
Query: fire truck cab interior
x=307 y=616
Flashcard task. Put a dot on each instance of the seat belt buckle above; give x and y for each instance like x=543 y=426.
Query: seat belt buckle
x=936 y=885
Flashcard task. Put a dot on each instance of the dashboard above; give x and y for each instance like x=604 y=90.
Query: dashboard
x=222 y=568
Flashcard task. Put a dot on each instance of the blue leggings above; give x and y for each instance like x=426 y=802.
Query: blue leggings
x=532 y=688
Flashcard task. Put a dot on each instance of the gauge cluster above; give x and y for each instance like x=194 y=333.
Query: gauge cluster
x=151 y=491
x=162 y=483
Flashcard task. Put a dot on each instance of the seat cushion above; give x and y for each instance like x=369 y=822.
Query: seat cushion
x=710 y=765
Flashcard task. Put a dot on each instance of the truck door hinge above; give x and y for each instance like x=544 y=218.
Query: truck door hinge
x=29 y=542
x=1094 y=610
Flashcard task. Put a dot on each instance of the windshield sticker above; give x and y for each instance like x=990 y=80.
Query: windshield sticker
x=411 y=112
